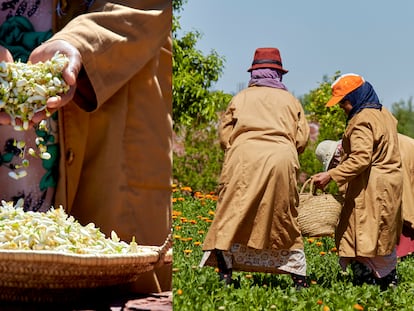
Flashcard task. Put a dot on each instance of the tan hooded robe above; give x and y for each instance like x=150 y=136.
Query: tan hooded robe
x=371 y=219
x=262 y=131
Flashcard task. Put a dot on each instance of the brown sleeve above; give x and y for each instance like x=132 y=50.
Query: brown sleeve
x=117 y=41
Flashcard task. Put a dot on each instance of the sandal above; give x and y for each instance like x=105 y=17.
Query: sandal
x=299 y=281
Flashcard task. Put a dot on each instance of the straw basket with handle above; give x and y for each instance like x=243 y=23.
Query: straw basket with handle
x=318 y=213
x=56 y=277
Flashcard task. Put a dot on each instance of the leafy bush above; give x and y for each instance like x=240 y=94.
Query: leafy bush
x=199 y=160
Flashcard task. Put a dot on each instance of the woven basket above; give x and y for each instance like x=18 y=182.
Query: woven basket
x=23 y=272
x=318 y=213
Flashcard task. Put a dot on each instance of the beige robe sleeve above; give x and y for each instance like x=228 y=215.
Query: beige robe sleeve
x=226 y=126
x=102 y=40
x=359 y=159
x=302 y=135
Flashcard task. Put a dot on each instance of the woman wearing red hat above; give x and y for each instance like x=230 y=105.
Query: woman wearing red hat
x=371 y=219
x=262 y=132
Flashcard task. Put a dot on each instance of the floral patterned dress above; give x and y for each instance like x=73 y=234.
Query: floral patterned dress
x=23 y=174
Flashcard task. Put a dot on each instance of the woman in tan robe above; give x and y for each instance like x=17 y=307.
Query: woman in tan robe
x=329 y=154
x=263 y=130
x=370 y=222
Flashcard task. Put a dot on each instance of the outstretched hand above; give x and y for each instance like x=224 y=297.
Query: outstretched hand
x=320 y=180
x=70 y=73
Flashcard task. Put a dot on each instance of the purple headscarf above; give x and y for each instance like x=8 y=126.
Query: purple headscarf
x=266 y=77
x=361 y=98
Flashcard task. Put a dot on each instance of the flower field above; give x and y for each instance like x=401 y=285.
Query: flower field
x=197 y=288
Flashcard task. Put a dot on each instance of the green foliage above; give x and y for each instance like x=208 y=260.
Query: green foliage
x=178 y=5
x=196 y=108
x=200 y=165
x=194 y=73
x=199 y=289
x=331 y=120
x=403 y=111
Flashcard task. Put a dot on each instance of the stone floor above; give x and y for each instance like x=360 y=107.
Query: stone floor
x=109 y=299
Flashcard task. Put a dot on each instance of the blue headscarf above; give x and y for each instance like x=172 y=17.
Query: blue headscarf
x=361 y=98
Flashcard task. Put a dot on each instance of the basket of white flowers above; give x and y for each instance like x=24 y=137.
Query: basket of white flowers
x=53 y=251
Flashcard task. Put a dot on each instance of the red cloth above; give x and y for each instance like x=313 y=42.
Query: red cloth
x=406 y=245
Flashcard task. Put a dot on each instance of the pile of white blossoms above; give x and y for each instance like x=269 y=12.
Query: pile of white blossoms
x=55 y=231
x=25 y=87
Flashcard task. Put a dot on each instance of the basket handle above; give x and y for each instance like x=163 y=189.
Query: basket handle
x=163 y=249
x=309 y=182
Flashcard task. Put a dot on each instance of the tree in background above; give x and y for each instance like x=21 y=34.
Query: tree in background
x=194 y=103
x=330 y=124
x=196 y=107
x=403 y=111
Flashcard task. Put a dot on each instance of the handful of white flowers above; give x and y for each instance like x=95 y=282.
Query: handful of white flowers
x=25 y=87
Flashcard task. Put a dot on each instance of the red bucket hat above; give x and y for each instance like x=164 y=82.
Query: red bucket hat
x=267 y=58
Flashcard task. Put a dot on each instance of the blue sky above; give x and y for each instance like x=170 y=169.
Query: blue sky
x=316 y=38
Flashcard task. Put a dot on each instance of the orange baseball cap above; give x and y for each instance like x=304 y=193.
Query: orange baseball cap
x=344 y=85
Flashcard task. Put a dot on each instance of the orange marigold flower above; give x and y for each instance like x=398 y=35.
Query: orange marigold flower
x=176 y=213
x=209 y=220
x=334 y=249
x=186 y=189
x=173 y=200
x=193 y=221
x=174 y=217
x=326 y=308
x=358 y=307
x=183 y=219
x=319 y=302
x=314 y=282
x=310 y=240
x=318 y=243
x=216 y=270
x=180 y=199
x=177 y=237
x=179 y=291
x=322 y=253
x=201 y=231
x=248 y=276
x=177 y=227
x=188 y=251
x=197 y=243
x=211 y=213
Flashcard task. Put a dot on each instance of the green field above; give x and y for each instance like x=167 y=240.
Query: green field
x=197 y=288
